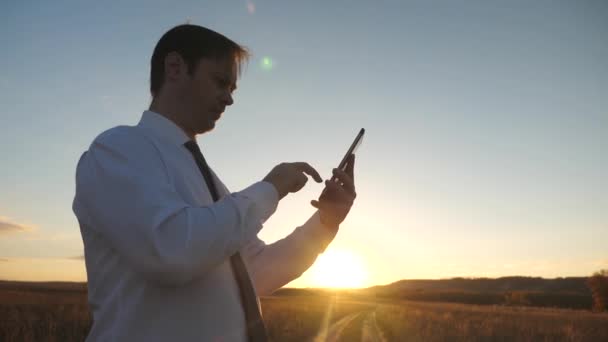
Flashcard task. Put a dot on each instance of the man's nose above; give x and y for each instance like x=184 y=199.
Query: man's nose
x=227 y=99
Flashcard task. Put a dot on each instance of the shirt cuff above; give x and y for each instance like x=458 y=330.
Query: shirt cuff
x=265 y=197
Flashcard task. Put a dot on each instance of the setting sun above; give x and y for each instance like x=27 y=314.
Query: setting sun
x=339 y=269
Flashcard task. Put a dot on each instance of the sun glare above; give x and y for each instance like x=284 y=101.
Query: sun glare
x=339 y=269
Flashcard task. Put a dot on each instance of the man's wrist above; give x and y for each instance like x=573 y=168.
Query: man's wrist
x=328 y=224
x=325 y=232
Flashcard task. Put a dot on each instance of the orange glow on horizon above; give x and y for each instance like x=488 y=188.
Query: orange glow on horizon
x=43 y=269
x=339 y=268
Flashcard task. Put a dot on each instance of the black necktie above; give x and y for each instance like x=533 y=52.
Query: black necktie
x=253 y=317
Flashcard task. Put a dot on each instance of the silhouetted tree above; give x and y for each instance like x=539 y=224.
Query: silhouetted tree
x=598 y=284
x=518 y=298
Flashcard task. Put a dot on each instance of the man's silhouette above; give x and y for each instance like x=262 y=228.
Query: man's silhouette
x=171 y=254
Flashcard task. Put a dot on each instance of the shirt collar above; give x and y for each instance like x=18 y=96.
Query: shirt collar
x=162 y=127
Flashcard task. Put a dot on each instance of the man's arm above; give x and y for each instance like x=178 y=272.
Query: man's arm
x=123 y=193
x=274 y=265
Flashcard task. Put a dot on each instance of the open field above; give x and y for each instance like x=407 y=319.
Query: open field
x=48 y=312
x=418 y=321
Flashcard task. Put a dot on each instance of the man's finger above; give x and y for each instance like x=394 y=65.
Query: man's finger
x=336 y=193
x=306 y=168
x=346 y=180
x=322 y=205
x=349 y=167
x=301 y=182
x=329 y=206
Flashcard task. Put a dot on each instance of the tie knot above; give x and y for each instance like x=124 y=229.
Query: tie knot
x=192 y=146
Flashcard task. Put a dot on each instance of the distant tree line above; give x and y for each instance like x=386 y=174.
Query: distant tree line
x=598 y=284
x=572 y=292
x=588 y=293
x=512 y=298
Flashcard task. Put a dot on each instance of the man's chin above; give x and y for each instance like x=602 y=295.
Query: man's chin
x=208 y=128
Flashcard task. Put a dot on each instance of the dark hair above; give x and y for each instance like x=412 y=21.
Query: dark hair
x=192 y=42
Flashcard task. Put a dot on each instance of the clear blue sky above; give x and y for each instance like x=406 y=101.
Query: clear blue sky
x=486 y=123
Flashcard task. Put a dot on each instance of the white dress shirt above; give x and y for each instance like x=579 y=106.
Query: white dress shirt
x=157 y=249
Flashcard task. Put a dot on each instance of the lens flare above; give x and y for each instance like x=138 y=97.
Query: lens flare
x=267 y=63
x=250 y=7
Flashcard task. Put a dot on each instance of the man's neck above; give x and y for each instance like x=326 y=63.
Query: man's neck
x=171 y=114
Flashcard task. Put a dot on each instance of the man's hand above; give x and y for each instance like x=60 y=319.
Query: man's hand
x=338 y=196
x=291 y=177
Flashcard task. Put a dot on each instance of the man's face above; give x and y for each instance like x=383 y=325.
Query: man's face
x=208 y=92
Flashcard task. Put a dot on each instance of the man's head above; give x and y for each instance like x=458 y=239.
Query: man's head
x=193 y=74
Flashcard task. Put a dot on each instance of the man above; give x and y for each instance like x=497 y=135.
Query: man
x=171 y=254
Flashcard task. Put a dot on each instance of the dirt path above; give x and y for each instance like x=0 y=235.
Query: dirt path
x=370 y=332
x=333 y=332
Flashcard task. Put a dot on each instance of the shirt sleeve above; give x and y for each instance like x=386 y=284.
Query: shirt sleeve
x=123 y=193
x=274 y=265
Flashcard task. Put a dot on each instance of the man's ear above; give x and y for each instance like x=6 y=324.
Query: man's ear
x=175 y=67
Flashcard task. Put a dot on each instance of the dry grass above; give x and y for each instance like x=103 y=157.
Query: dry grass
x=301 y=318
x=44 y=322
x=36 y=314
x=43 y=314
x=414 y=321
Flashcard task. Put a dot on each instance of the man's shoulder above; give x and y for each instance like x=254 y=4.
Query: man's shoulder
x=116 y=134
x=122 y=137
x=122 y=145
